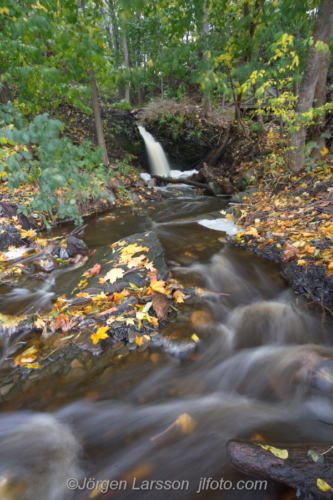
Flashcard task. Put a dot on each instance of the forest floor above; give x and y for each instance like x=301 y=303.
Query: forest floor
x=286 y=216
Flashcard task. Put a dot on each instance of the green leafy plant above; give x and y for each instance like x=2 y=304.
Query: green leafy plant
x=61 y=171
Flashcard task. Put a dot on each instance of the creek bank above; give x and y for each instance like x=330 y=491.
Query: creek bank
x=116 y=304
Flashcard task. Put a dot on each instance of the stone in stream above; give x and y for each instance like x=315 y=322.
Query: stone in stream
x=76 y=247
x=108 y=257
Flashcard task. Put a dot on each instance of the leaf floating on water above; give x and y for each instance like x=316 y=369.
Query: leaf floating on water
x=28 y=356
x=100 y=334
x=195 y=337
x=323 y=486
x=315 y=455
x=276 y=451
x=186 y=423
x=114 y=274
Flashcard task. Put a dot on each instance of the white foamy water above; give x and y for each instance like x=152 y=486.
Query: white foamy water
x=220 y=225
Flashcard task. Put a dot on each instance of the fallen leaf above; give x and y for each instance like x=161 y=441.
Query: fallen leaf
x=65 y=323
x=158 y=285
x=95 y=270
x=114 y=274
x=289 y=251
x=135 y=261
x=39 y=323
x=142 y=340
x=195 y=337
x=301 y=262
x=276 y=451
x=129 y=251
x=323 y=486
x=178 y=296
x=28 y=356
x=186 y=423
x=100 y=334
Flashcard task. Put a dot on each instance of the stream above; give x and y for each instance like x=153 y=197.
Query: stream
x=263 y=370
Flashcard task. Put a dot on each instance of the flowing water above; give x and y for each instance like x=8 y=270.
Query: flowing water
x=264 y=370
x=157 y=160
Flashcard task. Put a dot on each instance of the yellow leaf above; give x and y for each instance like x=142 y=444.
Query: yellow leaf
x=129 y=321
x=324 y=151
x=301 y=262
x=330 y=265
x=252 y=231
x=178 y=296
x=28 y=234
x=83 y=294
x=142 y=340
x=158 y=285
x=323 y=486
x=100 y=334
x=114 y=274
x=28 y=356
x=276 y=451
x=34 y=366
x=135 y=261
x=128 y=252
x=101 y=296
x=39 y=323
x=186 y=423
x=195 y=337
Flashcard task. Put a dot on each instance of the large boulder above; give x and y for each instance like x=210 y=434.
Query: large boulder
x=109 y=257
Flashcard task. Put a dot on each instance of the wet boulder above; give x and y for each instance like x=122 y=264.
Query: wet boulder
x=76 y=247
x=109 y=258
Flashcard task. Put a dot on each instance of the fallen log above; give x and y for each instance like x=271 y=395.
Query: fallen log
x=305 y=467
x=199 y=185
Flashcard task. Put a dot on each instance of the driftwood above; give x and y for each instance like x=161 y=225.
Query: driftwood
x=305 y=467
x=199 y=185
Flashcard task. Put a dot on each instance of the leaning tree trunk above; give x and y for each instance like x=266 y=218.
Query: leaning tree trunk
x=98 y=118
x=322 y=33
x=320 y=100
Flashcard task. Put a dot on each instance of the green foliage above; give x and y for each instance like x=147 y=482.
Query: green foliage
x=123 y=104
x=58 y=168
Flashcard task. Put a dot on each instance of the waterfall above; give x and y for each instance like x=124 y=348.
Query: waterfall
x=158 y=162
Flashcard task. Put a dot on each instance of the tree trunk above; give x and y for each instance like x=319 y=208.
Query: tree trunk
x=320 y=100
x=98 y=119
x=207 y=104
x=305 y=467
x=115 y=31
x=127 y=64
x=322 y=32
x=107 y=28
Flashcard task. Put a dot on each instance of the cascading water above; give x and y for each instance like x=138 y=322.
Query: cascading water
x=263 y=370
x=158 y=162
